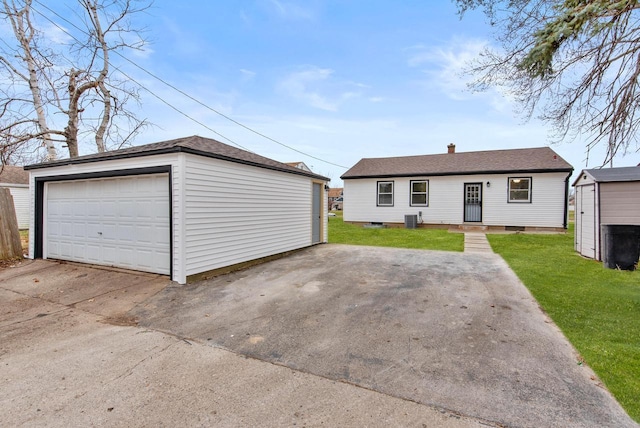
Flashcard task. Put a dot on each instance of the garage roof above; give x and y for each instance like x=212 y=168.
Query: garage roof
x=612 y=175
x=540 y=159
x=195 y=144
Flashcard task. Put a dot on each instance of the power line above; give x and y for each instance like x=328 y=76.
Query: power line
x=144 y=87
x=182 y=93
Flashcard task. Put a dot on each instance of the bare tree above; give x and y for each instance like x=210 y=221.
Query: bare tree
x=575 y=63
x=66 y=92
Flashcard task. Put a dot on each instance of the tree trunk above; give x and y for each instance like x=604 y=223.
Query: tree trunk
x=18 y=23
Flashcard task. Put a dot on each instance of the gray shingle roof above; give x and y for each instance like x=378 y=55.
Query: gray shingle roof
x=541 y=159
x=196 y=145
x=10 y=174
x=608 y=175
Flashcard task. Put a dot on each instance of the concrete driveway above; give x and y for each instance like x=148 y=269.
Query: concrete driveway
x=333 y=335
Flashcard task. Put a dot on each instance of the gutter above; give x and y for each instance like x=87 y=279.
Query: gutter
x=442 y=174
x=566 y=201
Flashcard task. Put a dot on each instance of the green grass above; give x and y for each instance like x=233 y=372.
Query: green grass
x=598 y=309
x=426 y=239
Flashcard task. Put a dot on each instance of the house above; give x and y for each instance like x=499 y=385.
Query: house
x=609 y=196
x=519 y=189
x=16 y=179
x=335 y=198
x=300 y=165
x=187 y=208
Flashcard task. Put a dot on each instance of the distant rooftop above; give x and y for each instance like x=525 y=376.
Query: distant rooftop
x=10 y=174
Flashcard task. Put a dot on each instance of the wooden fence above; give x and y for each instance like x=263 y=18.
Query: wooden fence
x=10 y=246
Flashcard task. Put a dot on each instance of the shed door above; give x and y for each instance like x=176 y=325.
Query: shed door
x=121 y=222
x=586 y=220
x=316 y=213
x=472 y=202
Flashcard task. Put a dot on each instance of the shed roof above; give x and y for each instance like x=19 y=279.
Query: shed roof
x=10 y=174
x=612 y=175
x=540 y=159
x=195 y=144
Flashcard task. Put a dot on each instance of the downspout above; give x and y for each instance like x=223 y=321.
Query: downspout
x=566 y=201
x=597 y=225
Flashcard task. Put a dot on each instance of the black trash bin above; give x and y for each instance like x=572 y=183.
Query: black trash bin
x=620 y=246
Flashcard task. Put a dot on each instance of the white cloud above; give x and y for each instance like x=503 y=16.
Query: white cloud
x=445 y=65
x=291 y=11
x=310 y=84
x=57 y=34
x=247 y=74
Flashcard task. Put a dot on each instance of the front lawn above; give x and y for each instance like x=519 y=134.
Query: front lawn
x=426 y=239
x=597 y=309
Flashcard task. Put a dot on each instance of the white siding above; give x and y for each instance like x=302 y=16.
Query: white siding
x=236 y=213
x=446 y=201
x=223 y=213
x=115 y=165
x=20 y=194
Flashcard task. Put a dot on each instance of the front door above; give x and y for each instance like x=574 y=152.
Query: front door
x=472 y=202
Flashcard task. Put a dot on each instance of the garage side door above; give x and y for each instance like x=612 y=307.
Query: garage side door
x=121 y=222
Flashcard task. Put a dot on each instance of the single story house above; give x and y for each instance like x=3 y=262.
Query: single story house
x=16 y=179
x=519 y=189
x=608 y=196
x=185 y=208
x=300 y=165
x=335 y=198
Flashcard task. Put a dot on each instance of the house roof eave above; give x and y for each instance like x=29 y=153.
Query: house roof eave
x=442 y=174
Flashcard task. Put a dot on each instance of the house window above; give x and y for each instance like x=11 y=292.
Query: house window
x=419 y=193
x=385 y=193
x=519 y=189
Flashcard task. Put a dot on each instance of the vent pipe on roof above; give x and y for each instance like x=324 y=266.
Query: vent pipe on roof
x=451 y=148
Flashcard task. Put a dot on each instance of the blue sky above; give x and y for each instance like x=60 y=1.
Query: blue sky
x=339 y=80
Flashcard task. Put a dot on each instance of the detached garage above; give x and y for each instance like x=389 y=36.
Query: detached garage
x=182 y=208
x=608 y=196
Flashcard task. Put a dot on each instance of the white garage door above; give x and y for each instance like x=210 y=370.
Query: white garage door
x=121 y=221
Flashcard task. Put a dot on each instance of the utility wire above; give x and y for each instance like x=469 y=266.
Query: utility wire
x=182 y=93
x=144 y=87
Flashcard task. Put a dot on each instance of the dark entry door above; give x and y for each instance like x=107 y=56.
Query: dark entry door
x=472 y=202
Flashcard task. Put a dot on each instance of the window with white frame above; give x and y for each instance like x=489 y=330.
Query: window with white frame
x=385 y=193
x=519 y=189
x=419 y=193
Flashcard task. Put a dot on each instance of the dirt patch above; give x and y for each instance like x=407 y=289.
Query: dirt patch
x=122 y=320
x=11 y=263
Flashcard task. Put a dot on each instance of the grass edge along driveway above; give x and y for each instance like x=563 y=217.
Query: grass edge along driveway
x=597 y=309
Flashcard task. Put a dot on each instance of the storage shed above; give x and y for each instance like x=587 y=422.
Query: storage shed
x=609 y=196
x=16 y=179
x=183 y=208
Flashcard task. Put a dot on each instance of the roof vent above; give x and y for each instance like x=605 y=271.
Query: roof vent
x=451 y=148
